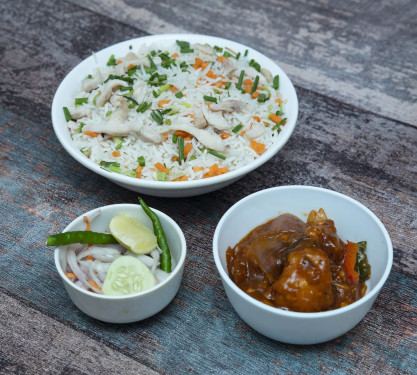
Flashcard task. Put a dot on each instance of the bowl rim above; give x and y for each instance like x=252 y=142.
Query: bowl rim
x=57 y=116
x=162 y=284
x=294 y=314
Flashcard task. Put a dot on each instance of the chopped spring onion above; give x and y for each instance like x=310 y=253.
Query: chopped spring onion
x=255 y=85
x=126 y=88
x=179 y=95
x=86 y=152
x=149 y=70
x=157 y=117
x=79 y=101
x=161 y=176
x=262 y=98
x=173 y=111
x=130 y=47
x=130 y=173
x=180 y=149
x=108 y=113
x=153 y=66
x=237 y=56
x=122 y=78
x=95 y=98
x=168 y=122
x=141 y=161
x=237 y=128
x=165 y=111
x=255 y=65
x=66 y=114
x=218 y=49
x=155 y=94
x=131 y=100
x=216 y=154
x=89 y=76
x=163 y=88
x=217 y=91
x=174 y=138
x=275 y=83
x=246 y=53
x=227 y=54
x=209 y=99
x=282 y=122
x=239 y=83
x=143 y=107
x=80 y=129
x=115 y=169
x=132 y=71
x=186 y=50
x=183 y=44
x=111 y=61
x=193 y=157
x=118 y=141
x=185 y=104
x=227 y=86
x=108 y=164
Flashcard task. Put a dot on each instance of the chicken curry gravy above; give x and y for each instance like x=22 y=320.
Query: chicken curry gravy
x=299 y=266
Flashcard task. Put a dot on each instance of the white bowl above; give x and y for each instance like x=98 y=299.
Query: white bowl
x=354 y=222
x=71 y=84
x=135 y=307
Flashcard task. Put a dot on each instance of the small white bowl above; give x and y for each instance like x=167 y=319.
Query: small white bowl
x=354 y=222
x=71 y=85
x=135 y=307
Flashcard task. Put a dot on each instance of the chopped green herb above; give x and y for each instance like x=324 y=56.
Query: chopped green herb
x=237 y=56
x=280 y=107
x=141 y=161
x=108 y=113
x=115 y=169
x=218 y=49
x=66 y=114
x=262 y=98
x=168 y=122
x=153 y=66
x=161 y=176
x=162 y=77
x=275 y=83
x=237 y=128
x=183 y=44
x=214 y=153
x=153 y=53
x=118 y=141
x=185 y=104
x=89 y=76
x=122 y=78
x=79 y=101
x=126 y=88
x=255 y=85
x=239 y=83
x=132 y=100
x=165 y=111
x=180 y=149
x=157 y=117
x=163 y=88
x=179 y=95
x=80 y=129
x=132 y=71
x=192 y=157
x=130 y=173
x=217 y=91
x=255 y=65
x=246 y=53
x=130 y=47
x=186 y=50
x=227 y=86
x=150 y=70
x=209 y=99
x=227 y=54
x=86 y=152
x=95 y=98
x=282 y=122
x=173 y=111
x=174 y=138
x=111 y=61
x=155 y=94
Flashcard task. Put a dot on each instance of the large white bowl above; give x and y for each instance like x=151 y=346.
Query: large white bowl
x=71 y=84
x=135 y=307
x=354 y=222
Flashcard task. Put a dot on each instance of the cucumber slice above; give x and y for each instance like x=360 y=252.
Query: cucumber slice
x=127 y=275
x=132 y=234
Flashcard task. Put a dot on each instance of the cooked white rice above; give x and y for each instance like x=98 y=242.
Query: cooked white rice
x=193 y=83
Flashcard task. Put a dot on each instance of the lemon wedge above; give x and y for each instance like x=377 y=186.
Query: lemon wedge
x=127 y=275
x=132 y=234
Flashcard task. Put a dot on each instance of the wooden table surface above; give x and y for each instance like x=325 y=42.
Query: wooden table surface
x=354 y=68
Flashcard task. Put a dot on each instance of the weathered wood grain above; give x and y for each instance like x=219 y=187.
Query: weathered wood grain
x=360 y=52
x=50 y=347
x=335 y=145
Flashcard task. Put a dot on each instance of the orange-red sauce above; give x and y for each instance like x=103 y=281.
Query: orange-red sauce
x=294 y=265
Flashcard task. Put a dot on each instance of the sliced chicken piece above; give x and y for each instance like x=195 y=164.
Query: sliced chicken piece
x=229 y=106
x=252 y=73
x=204 y=48
x=150 y=134
x=107 y=91
x=267 y=74
x=216 y=120
x=89 y=84
x=114 y=128
x=120 y=114
x=139 y=90
x=80 y=112
x=200 y=121
x=229 y=67
x=210 y=140
x=255 y=131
